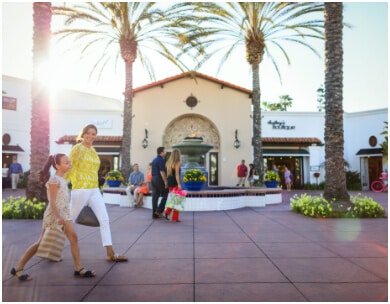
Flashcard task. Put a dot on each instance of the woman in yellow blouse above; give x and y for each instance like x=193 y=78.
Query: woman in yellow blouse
x=85 y=186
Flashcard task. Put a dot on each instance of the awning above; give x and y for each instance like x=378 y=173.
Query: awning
x=108 y=149
x=285 y=152
x=370 y=152
x=11 y=149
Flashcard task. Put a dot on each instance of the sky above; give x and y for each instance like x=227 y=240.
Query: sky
x=365 y=62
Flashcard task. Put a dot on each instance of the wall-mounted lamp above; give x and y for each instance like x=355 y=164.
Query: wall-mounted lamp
x=145 y=142
x=236 y=143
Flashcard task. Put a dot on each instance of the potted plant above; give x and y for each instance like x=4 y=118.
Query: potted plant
x=194 y=179
x=114 y=178
x=271 y=179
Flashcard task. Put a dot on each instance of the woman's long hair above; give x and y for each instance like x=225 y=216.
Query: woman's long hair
x=52 y=161
x=173 y=160
x=84 y=131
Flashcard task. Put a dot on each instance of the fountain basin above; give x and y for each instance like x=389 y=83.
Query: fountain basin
x=207 y=200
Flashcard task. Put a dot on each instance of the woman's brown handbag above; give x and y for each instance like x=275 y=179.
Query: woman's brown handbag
x=87 y=218
x=52 y=244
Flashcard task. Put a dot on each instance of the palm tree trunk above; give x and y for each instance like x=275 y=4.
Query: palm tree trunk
x=127 y=121
x=335 y=184
x=40 y=110
x=256 y=116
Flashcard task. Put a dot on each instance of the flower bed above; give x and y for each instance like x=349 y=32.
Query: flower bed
x=318 y=206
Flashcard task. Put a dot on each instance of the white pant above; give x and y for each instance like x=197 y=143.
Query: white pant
x=94 y=199
x=132 y=197
x=15 y=180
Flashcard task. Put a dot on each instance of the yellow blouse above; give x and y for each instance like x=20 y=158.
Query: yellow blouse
x=85 y=167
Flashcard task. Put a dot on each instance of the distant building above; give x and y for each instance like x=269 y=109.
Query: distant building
x=166 y=111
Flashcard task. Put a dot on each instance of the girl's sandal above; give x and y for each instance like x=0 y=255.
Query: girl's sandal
x=23 y=277
x=117 y=258
x=84 y=273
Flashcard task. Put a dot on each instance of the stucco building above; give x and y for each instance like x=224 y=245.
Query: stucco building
x=167 y=111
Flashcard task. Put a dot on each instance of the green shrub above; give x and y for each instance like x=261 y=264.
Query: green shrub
x=320 y=186
x=318 y=206
x=22 y=208
x=314 y=206
x=366 y=207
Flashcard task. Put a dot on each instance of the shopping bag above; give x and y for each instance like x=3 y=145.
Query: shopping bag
x=52 y=244
x=87 y=217
x=176 y=199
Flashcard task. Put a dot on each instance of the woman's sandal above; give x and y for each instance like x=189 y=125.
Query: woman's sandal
x=23 y=277
x=84 y=273
x=117 y=258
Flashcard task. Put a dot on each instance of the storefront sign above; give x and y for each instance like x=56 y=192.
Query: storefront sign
x=280 y=125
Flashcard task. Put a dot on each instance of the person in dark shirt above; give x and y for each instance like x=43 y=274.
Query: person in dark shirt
x=15 y=171
x=159 y=183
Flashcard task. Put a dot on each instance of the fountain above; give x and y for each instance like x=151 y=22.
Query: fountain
x=193 y=148
x=209 y=198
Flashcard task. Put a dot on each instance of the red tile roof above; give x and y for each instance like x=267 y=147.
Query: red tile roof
x=266 y=140
x=193 y=75
x=12 y=148
x=291 y=140
x=100 y=139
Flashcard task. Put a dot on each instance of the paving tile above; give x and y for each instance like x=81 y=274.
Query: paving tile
x=60 y=293
x=344 y=292
x=295 y=250
x=167 y=271
x=248 y=292
x=175 y=236
x=348 y=249
x=323 y=270
x=237 y=270
x=277 y=236
x=378 y=266
x=142 y=293
x=161 y=251
x=227 y=250
x=221 y=237
x=344 y=236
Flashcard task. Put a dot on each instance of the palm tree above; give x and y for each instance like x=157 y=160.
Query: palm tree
x=335 y=183
x=40 y=116
x=285 y=101
x=260 y=27
x=129 y=30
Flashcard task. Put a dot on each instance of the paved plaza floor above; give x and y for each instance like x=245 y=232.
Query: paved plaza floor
x=265 y=254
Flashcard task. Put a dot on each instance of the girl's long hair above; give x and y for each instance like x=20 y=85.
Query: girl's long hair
x=84 y=131
x=173 y=160
x=52 y=160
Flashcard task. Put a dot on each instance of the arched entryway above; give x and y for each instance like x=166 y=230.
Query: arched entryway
x=199 y=126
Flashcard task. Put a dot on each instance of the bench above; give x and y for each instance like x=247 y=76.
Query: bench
x=118 y=196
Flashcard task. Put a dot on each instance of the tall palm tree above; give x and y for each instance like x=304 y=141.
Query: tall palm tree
x=261 y=27
x=129 y=30
x=40 y=116
x=335 y=183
